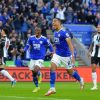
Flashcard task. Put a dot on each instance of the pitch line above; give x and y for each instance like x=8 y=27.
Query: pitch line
x=36 y=98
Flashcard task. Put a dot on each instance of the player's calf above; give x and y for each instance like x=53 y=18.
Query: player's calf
x=77 y=77
x=39 y=77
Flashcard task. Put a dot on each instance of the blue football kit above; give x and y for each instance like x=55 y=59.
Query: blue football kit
x=38 y=47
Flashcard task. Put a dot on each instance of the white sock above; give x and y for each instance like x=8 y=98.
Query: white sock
x=5 y=73
x=94 y=78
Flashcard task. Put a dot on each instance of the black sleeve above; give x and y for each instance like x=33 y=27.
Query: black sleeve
x=2 y=42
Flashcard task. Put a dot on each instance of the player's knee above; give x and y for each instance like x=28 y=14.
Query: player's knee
x=53 y=67
x=93 y=68
x=34 y=73
x=36 y=68
x=70 y=71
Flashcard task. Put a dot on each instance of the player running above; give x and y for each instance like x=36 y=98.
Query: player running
x=4 y=45
x=64 y=53
x=38 y=45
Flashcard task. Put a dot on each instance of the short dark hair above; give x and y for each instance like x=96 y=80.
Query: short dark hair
x=58 y=19
x=6 y=31
x=37 y=28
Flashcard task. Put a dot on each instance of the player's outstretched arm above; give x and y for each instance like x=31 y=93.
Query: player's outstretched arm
x=90 y=50
x=27 y=45
x=48 y=43
x=68 y=40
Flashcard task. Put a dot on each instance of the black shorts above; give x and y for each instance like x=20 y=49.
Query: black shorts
x=2 y=61
x=95 y=60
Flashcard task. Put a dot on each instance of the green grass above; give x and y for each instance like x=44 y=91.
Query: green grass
x=65 y=91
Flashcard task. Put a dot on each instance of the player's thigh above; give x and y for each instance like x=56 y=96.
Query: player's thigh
x=53 y=66
x=94 y=60
x=55 y=60
x=2 y=64
x=31 y=64
x=39 y=63
x=67 y=62
x=0 y=61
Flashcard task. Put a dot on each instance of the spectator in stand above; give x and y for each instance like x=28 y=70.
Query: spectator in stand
x=40 y=5
x=24 y=27
x=75 y=18
x=61 y=13
x=18 y=61
x=93 y=7
x=87 y=2
x=44 y=28
x=1 y=25
x=81 y=19
x=90 y=18
x=97 y=22
x=98 y=6
x=54 y=10
x=22 y=16
x=45 y=10
x=17 y=24
x=69 y=15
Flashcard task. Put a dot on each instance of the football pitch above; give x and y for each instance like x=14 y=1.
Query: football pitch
x=65 y=91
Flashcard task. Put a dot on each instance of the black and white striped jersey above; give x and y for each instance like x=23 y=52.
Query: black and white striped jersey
x=2 y=43
x=96 y=48
x=3 y=46
x=6 y=46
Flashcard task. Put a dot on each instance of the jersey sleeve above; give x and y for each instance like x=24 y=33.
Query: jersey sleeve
x=27 y=44
x=66 y=35
x=93 y=39
x=48 y=44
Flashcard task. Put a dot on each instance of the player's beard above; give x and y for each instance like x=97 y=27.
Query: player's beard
x=38 y=35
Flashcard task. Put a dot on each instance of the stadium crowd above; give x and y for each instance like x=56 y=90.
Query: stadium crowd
x=22 y=16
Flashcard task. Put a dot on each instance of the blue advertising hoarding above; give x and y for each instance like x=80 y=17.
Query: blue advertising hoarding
x=82 y=32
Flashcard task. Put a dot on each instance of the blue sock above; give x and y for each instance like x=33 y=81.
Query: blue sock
x=52 y=79
x=38 y=73
x=76 y=76
x=35 y=80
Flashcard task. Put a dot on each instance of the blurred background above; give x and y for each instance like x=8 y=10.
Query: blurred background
x=21 y=17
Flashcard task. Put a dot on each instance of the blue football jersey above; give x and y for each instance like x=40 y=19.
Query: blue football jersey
x=38 y=47
x=62 y=48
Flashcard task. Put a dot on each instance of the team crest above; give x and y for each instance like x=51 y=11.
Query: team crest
x=33 y=42
x=41 y=42
x=67 y=34
x=58 y=35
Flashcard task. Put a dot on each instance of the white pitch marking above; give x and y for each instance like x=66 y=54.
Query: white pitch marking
x=37 y=98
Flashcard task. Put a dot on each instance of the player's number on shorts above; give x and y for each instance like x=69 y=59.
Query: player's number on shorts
x=69 y=64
